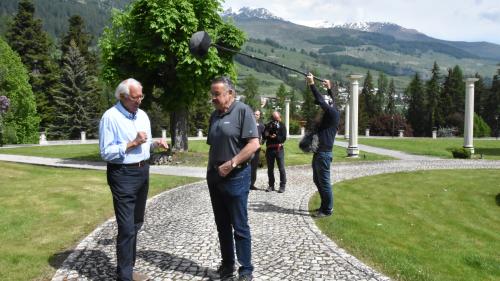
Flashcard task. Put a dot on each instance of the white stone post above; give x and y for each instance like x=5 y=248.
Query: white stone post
x=287 y=116
x=83 y=136
x=346 y=121
x=469 y=114
x=200 y=133
x=401 y=133
x=434 y=134
x=163 y=133
x=367 y=132
x=43 y=138
x=352 y=149
x=302 y=131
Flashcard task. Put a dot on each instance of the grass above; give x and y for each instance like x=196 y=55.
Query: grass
x=435 y=147
x=43 y=214
x=197 y=155
x=428 y=225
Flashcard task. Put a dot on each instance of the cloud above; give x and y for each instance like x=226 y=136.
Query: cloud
x=491 y=16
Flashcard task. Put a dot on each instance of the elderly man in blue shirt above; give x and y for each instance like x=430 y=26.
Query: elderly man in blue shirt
x=125 y=143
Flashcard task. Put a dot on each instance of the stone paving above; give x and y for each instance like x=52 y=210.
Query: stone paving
x=179 y=241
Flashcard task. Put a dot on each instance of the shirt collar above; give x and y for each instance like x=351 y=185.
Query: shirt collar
x=228 y=110
x=125 y=112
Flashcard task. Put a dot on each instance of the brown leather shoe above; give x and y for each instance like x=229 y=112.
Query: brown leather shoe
x=137 y=276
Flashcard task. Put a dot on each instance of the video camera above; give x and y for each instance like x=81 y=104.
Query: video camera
x=271 y=128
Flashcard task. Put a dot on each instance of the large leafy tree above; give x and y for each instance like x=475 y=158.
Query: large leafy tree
x=28 y=39
x=149 y=41
x=21 y=121
x=76 y=98
x=416 y=114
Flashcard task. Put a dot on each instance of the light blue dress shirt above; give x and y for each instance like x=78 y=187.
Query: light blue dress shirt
x=119 y=127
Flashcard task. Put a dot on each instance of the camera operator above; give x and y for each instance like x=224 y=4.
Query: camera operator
x=275 y=136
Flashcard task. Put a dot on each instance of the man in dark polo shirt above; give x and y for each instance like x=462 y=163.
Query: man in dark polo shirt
x=233 y=139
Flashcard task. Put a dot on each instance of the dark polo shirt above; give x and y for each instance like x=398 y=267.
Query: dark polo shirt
x=229 y=132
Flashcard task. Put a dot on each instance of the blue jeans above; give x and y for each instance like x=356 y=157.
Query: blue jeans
x=321 y=177
x=229 y=198
x=129 y=186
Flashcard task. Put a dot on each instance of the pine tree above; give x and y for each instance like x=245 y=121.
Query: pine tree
x=391 y=102
x=480 y=94
x=433 y=89
x=27 y=38
x=366 y=108
x=308 y=109
x=380 y=97
x=251 y=92
x=75 y=99
x=492 y=104
x=78 y=34
x=458 y=90
x=446 y=103
x=416 y=106
x=281 y=96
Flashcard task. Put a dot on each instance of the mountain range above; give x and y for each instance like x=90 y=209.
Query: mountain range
x=327 y=49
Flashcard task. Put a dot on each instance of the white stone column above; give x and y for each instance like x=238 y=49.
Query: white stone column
x=352 y=149
x=83 y=136
x=200 y=133
x=287 y=116
x=434 y=134
x=401 y=133
x=302 y=131
x=469 y=114
x=346 y=121
x=367 y=132
x=163 y=133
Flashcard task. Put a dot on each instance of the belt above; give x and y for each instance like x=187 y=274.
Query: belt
x=242 y=165
x=275 y=146
x=138 y=164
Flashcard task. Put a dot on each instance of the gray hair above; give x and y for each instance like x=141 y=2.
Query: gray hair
x=227 y=83
x=123 y=87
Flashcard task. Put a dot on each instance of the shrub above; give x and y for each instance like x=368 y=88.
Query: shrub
x=481 y=129
x=382 y=125
x=461 y=153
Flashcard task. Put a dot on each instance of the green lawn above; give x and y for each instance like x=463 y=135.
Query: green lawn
x=43 y=213
x=197 y=155
x=428 y=225
x=436 y=147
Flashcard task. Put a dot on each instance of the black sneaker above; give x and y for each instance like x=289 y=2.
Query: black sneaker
x=226 y=272
x=281 y=190
x=269 y=189
x=320 y=214
x=245 y=278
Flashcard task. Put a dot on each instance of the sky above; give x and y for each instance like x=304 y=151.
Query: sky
x=455 y=20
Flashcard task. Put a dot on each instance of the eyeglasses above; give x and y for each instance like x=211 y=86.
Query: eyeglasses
x=139 y=98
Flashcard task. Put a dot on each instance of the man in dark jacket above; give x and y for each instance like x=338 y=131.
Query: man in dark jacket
x=326 y=129
x=275 y=136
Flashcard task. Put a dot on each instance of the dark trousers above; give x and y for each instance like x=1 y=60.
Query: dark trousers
x=255 y=165
x=129 y=186
x=278 y=155
x=321 y=177
x=229 y=197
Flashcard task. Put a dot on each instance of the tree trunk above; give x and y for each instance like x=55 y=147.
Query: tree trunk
x=179 y=129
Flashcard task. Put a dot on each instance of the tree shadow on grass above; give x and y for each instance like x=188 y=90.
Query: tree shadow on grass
x=497 y=198
x=487 y=151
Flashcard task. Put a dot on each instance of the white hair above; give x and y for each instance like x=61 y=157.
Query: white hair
x=124 y=89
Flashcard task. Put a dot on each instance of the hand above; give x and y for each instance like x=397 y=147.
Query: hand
x=225 y=168
x=141 y=138
x=327 y=84
x=162 y=143
x=273 y=136
x=310 y=79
